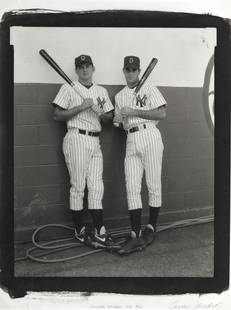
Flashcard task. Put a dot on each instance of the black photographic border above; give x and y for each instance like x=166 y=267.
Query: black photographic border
x=18 y=286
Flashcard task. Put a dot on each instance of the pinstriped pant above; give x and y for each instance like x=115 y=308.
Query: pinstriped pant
x=84 y=161
x=144 y=150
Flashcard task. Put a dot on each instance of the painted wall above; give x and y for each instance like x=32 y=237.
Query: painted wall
x=182 y=53
x=41 y=178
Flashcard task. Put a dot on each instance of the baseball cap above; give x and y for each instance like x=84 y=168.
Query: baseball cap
x=83 y=59
x=132 y=61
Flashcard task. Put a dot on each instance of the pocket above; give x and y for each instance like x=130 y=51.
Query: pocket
x=161 y=144
x=161 y=140
x=159 y=137
x=66 y=146
x=153 y=139
x=130 y=147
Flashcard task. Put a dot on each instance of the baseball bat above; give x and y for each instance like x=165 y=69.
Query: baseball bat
x=56 y=67
x=146 y=74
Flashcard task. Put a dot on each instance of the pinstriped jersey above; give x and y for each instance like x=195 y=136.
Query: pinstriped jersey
x=67 y=98
x=148 y=98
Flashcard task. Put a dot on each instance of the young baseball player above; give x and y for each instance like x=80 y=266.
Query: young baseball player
x=81 y=147
x=139 y=116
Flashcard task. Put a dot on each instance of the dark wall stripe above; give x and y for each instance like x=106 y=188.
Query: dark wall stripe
x=41 y=178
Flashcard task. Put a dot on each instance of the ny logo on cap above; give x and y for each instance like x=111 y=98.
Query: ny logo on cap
x=131 y=60
x=83 y=57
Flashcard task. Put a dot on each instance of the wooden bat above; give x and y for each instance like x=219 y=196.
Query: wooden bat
x=56 y=67
x=146 y=74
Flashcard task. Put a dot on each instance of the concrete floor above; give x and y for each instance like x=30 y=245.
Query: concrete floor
x=181 y=252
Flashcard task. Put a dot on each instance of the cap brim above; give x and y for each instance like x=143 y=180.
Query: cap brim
x=131 y=66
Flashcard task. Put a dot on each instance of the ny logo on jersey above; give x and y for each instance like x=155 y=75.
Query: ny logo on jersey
x=101 y=102
x=141 y=102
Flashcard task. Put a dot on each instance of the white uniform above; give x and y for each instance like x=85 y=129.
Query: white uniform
x=82 y=152
x=144 y=148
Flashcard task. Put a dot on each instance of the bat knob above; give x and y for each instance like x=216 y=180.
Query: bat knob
x=42 y=52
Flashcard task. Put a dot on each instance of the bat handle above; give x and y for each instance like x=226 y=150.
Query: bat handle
x=77 y=92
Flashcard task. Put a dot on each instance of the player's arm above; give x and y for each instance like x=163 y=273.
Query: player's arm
x=157 y=109
x=61 y=114
x=153 y=114
x=106 y=117
x=118 y=119
x=117 y=115
x=107 y=109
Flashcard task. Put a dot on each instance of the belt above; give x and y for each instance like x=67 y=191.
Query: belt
x=88 y=133
x=137 y=128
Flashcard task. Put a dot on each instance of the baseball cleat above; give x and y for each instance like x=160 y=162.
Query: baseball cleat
x=149 y=234
x=104 y=240
x=132 y=244
x=83 y=236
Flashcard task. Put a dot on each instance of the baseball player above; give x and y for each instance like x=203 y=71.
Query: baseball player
x=139 y=116
x=81 y=147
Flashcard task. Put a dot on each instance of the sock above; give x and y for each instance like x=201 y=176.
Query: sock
x=97 y=216
x=135 y=220
x=153 y=216
x=77 y=219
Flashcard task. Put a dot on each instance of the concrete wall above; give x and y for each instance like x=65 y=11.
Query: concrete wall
x=41 y=178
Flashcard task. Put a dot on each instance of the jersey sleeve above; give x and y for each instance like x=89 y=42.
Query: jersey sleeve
x=108 y=106
x=117 y=105
x=156 y=98
x=62 y=99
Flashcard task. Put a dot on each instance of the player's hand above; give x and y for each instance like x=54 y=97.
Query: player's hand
x=87 y=103
x=126 y=111
x=117 y=118
x=97 y=109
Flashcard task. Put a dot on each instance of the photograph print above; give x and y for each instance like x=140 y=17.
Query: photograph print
x=113 y=151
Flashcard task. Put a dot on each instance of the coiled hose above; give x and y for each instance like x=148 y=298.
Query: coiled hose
x=65 y=243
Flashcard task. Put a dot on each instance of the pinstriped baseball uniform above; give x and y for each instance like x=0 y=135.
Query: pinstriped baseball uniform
x=83 y=153
x=144 y=148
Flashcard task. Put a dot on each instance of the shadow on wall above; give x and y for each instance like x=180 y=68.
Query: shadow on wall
x=41 y=177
